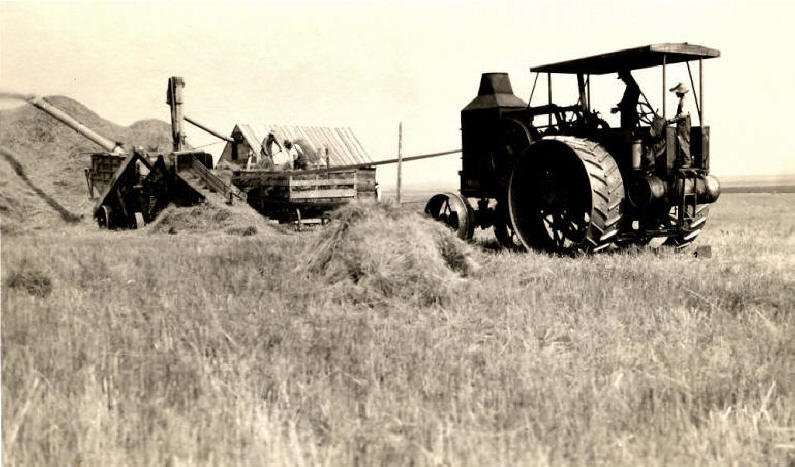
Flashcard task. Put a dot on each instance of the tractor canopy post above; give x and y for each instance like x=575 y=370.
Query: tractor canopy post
x=697 y=97
x=588 y=87
x=701 y=91
x=581 y=89
x=663 y=86
x=549 y=97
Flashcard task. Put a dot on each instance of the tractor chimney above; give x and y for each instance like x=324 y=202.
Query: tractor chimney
x=495 y=83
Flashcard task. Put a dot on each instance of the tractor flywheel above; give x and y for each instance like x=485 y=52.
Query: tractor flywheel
x=565 y=196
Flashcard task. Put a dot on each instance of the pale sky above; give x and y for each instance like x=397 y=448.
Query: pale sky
x=371 y=65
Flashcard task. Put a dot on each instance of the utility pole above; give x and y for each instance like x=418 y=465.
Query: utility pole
x=400 y=160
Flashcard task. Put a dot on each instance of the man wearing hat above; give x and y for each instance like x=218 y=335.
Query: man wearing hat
x=682 y=120
x=629 y=101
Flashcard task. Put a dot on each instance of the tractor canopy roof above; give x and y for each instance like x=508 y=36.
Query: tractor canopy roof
x=631 y=59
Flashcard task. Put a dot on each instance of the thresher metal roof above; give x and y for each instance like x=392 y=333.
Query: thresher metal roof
x=631 y=59
x=251 y=137
x=343 y=146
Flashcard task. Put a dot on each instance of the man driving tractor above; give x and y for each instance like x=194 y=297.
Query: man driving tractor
x=629 y=101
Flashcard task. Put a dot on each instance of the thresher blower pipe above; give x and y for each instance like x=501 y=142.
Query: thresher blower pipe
x=67 y=119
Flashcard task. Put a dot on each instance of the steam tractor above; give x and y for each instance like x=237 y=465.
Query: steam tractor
x=559 y=179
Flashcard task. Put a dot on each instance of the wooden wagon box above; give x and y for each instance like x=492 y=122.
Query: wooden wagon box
x=287 y=196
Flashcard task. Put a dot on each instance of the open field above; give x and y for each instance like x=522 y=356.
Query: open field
x=150 y=348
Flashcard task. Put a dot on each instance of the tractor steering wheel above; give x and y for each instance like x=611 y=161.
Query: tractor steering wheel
x=646 y=113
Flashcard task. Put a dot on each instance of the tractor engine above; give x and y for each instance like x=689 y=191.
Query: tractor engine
x=490 y=138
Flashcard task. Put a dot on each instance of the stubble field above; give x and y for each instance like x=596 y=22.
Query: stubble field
x=404 y=346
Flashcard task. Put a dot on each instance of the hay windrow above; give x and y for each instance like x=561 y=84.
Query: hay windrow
x=388 y=252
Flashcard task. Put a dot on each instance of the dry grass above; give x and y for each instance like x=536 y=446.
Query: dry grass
x=218 y=349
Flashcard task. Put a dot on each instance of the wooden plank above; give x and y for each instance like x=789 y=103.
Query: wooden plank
x=340 y=193
x=323 y=182
x=367 y=173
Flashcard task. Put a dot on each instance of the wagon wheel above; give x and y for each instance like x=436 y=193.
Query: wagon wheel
x=453 y=211
x=503 y=229
x=691 y=228
x=565 y=196
x=104 y=217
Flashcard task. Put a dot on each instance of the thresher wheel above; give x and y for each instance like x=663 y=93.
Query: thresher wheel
x=565 y=196
x=691 y=229
x=104 y=217
x=454 y=211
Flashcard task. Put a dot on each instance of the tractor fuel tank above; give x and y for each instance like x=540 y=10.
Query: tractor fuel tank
x=649 y=190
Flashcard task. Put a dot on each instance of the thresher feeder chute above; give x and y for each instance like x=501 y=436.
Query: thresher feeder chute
x=559 y=179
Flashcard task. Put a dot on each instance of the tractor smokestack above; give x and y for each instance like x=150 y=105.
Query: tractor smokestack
x=495 y=83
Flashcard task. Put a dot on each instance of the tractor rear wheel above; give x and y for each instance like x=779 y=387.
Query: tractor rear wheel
x=691 y=228
x=454 y=211
x=565 y=196
x=503 y=229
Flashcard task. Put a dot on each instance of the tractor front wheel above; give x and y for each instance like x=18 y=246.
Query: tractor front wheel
x=454 y=211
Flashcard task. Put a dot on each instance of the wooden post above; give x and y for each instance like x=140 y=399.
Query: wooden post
x=174 y=99
x=400 y=161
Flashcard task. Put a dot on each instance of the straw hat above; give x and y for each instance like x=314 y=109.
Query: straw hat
x=679 y=89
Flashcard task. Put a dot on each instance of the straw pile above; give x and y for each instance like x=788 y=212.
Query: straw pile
x=210 y=218
x=381 y=251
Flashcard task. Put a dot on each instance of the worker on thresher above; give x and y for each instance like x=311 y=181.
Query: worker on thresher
x=629 y=101
x=682 y=120
x=278 y=155
x=256 y=161
x=295 y=152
